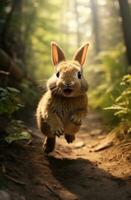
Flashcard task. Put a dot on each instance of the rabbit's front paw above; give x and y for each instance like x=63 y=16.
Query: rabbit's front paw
x=58 y=132
x=69 y=138
x=76 y=119
x=56 y=127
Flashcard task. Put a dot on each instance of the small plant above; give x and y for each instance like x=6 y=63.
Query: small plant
x=17 y=131
x=9 y=101
x=106 y=81
x=122 y=109
x=122 y=104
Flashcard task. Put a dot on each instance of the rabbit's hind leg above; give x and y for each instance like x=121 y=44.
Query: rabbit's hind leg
x=70 y=131
x=49 y=144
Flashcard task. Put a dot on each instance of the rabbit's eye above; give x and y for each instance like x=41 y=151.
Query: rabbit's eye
x=79 y=75
x=58 y=74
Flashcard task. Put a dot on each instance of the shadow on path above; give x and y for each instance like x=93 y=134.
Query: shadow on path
x=87 y=181
x=39 y=177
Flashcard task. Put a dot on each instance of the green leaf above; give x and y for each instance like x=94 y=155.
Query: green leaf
x=2 y=89
x=115 y=107
x=11 y=89
x=121 y=112
x=24 y=135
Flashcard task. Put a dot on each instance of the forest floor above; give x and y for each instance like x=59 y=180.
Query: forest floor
x=77 y=171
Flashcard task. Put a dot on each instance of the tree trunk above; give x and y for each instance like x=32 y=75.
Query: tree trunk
x=6 y=27
x=95 y=25
x=126 y=25
x=77 y=22
x=7 y=65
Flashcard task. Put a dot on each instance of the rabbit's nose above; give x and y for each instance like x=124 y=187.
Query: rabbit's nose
x=68 y=84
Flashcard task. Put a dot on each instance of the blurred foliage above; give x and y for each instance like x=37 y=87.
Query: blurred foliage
x=47 y=29
x=121 y=109
x=30 y=93
x=9 y=101
x=106 y=79
x=122 y=104
x=110 y=24
x=17 y=131
x=26 y=30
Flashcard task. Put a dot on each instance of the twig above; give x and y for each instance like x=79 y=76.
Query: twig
x=103 y=146
x=3 y=168
x=4 y=73
x=125 y=144
x=52 y=191
x=15 y=180
x=29 y=142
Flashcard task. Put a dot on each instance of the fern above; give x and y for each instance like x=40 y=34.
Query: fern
x=122 y=105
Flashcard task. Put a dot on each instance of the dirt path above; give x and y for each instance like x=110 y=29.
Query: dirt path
x=72 y=172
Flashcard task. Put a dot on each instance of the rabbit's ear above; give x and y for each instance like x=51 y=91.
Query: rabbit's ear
x=80 y=54
x=56 y=53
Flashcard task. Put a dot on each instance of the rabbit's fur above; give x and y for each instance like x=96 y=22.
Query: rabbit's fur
x=64 y=105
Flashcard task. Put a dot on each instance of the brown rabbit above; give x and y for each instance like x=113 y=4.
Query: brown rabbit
x=64 y=105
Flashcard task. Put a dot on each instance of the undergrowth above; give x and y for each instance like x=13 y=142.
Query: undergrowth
x=121 y=109
x=105 y=81
x=110 y=92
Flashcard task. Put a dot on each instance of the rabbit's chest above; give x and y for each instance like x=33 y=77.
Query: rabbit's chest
x=64 y=109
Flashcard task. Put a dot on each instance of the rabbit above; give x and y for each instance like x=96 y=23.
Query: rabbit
x=61 y=109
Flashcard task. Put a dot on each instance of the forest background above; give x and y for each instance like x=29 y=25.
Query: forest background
x=26 y=30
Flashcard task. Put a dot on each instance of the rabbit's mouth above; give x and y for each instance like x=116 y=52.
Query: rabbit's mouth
x=67 y=91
